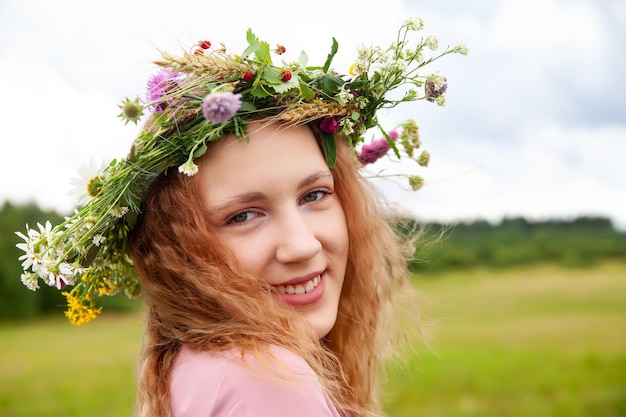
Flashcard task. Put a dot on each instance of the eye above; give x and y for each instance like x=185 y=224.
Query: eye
x=242 y=217
x=315 y=196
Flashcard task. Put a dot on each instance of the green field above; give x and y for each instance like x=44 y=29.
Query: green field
x=541 y=341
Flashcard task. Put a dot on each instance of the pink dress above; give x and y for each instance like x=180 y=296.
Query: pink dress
x=208 y=384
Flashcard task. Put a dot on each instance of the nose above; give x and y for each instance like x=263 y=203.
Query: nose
x=297 y=241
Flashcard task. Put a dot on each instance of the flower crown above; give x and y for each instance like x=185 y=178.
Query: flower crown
x=199 y=97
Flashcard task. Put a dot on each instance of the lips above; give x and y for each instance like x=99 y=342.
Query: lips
x=304 y=290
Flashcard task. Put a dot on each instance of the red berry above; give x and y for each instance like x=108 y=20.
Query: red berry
x=281 y=49
x=205 y=44
x=286 y=76
x=247 y=76
x=198 y=52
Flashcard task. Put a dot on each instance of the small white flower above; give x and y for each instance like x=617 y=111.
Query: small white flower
x=82 y=186
x=461 y=48
x=29 y=258
x=415 y=23
x=118 y=213
x=347 y=126
x=295 y=66
x=411 y=95
x=35 y=246
x=399 y=65
x=47 y=274
x=438 y=80
x=188 y=168
x=97 y=240
x=361 y=102
x=363 y=53
x=30 y=280
x=379 y=55
x=432 y=42
x=67 y=273
x=78 y=269
x=344 y=96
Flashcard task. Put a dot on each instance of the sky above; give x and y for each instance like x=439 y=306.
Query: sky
x=534 y=125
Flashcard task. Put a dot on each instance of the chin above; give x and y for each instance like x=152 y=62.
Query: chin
x=321 y=327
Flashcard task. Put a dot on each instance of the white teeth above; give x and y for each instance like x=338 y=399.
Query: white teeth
x=299 y=288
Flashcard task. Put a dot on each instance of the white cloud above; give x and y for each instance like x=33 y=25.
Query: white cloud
x=52 y=126
x=523 y=132
x=554 y=171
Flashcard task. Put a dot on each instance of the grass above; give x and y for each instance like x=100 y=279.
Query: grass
x=51 y=368
x=537 y=342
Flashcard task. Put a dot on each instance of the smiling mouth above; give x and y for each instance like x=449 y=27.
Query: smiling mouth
x=299 y=289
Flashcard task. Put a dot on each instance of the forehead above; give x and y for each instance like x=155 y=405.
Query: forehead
x=272 y=156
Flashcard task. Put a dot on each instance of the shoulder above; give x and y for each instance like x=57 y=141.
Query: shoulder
x=277 y=382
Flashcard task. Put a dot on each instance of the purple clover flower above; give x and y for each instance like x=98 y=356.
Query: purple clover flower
x=329 y=125
x=221 y=107
x=435 y=88
x=378 y=148
x=159 y=85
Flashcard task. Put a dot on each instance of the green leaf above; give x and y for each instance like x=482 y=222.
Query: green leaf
x=160 y=119
x=303 y=59
x=355 y=116
x=260 y=92
x=240 y=128
x=330 y=150
x=285 y=86
x=199 y=151
x=331 y=84
x=306 y=91
x=247 y=106
x=356 y=85
x=305 y=77
x=262 y=54
x=271 y=75
x=253 y=43
x=391 y=142
x=331 y=55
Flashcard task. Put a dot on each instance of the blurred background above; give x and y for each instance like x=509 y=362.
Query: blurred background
x=527 y=288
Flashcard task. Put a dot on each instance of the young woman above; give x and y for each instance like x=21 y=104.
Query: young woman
x=271 y=274
x=265 y=257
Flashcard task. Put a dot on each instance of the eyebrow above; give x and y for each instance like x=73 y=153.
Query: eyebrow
x=250 y=197
x=313 y=178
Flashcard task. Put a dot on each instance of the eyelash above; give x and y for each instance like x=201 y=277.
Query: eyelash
x=325 y=192
x=231 y=219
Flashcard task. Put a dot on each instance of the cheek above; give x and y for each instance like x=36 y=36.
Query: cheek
x=249 y=254
x=337 y=234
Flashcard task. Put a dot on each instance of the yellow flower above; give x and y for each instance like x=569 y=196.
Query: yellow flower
x=352 y=70
x=79 y=313
x=106 y=288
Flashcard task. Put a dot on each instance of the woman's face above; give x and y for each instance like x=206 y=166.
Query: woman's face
x=272 y=201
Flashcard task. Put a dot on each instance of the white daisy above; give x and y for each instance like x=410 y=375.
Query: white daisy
x=31 y=281
x=83 y=186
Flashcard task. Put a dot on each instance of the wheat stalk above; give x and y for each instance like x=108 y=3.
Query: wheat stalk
x=305 y=112
x=205 y=65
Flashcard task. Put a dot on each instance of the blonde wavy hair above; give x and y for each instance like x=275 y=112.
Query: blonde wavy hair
x=197 y=295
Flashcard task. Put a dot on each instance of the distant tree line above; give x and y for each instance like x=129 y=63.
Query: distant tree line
x=579 y=242
x=513 y=242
